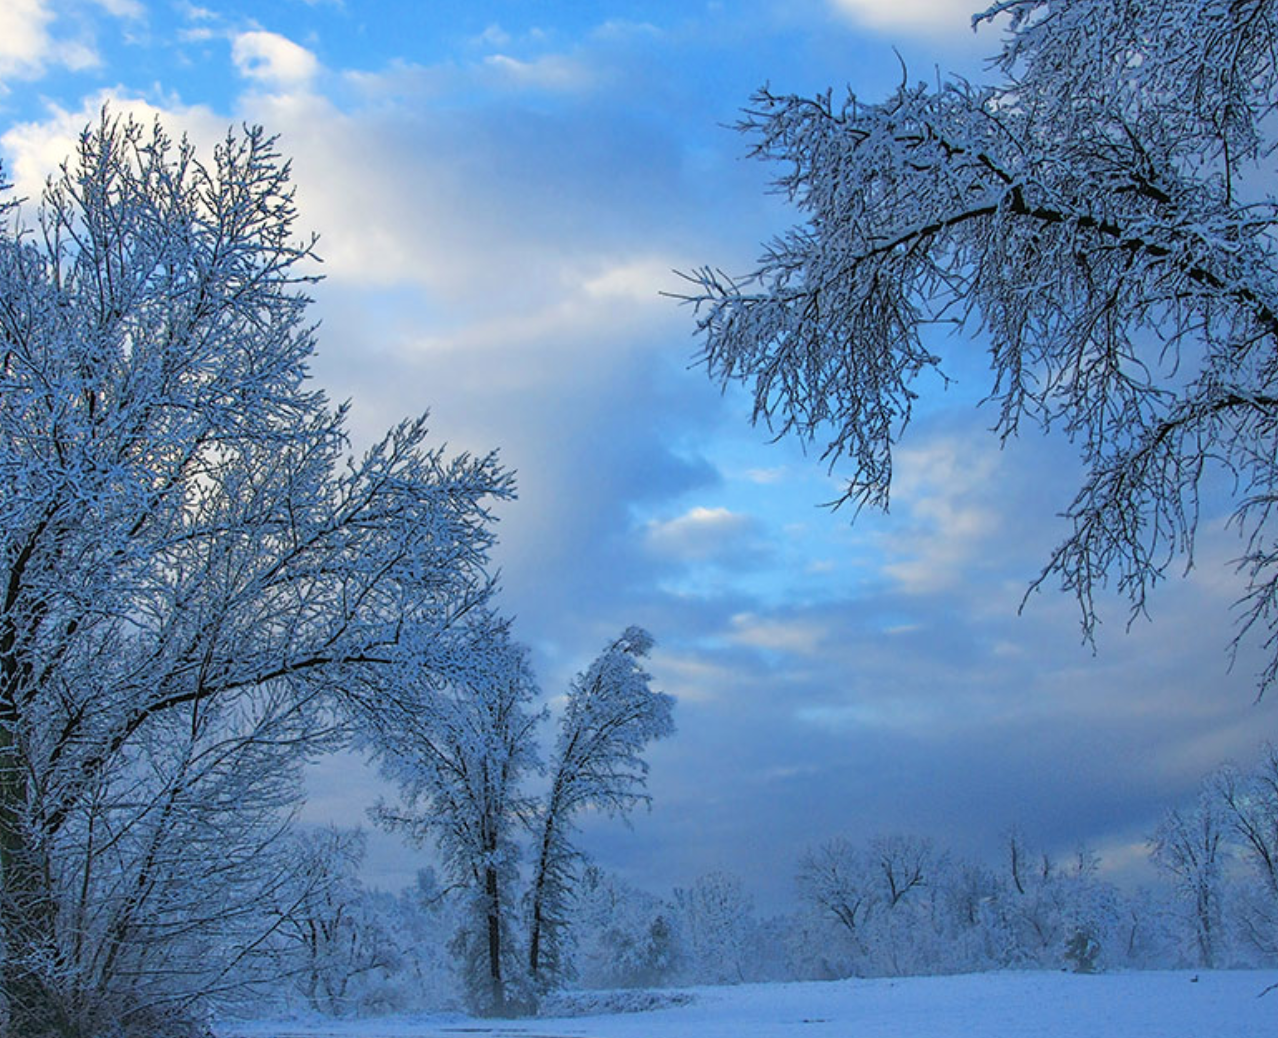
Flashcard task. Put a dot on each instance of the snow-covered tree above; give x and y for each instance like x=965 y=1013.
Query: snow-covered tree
x=1190 y=847
x=625 y=937
x=1104 y=215
x=717 y=929
x=458 y=752
x=1058 y=913
x=610 y=717
x=196 y=583
x=898 y=906
x=905 y=870
x=836 y=880
x=1249 y=804
x=974 y=933
x=330 y=928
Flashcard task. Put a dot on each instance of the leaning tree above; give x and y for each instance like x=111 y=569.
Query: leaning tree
x=611 y=715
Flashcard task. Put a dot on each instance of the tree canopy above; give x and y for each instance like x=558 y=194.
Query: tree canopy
x=197 y=581
x=1103 y=215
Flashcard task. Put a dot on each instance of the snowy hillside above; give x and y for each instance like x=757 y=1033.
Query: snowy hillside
x=988 y=1005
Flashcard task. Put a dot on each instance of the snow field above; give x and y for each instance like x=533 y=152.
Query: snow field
x=1171 y=1004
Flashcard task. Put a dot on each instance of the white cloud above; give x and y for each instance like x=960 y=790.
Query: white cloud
x=699 y=533
x=24 y=35
x=693 y=677
x=944 y=487
x=273 y=60
x=122 y=8
x=551 y=72
x=33 y=151
x=800 y=637
x=194 y=12
x=639 y=280
x=927 y=17
x=886 y=713
x=27 y=46
x=494 y=36
x=622 y=29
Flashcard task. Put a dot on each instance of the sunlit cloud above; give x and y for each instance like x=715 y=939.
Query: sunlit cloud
x=273 y=60
x=698 y=534
x=28 y=46
x=929 y=17
x=33 y=151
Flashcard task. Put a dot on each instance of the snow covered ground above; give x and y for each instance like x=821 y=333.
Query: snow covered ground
x=987 y=1005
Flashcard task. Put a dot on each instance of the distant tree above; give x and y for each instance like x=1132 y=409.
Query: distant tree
x=1034 y=905
x=897 y=906
x=625 y=936
x=975 y=934
x=1144 y=933
x=1104 y=214
x=904 y=865
x=905 y=870
x=1249 y=804
x=610 y=717
x=333 y=933
x=1191 y=848
x=195 y=581
x=716 y=922
x=837 y=880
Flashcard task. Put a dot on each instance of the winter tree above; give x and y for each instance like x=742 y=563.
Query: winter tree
x=1191 y=849
x=610 y=717
x=905 y=870
x=328 y=927
x=1055 y=912
x=197 y=582
x=716 y=924
x=1249 y=803
x=458 y=753
x=623 y=937
x=1104 y=215
x=460 y=765
x=838 y=880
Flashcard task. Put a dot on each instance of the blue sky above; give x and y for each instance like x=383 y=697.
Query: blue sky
x=502 y=191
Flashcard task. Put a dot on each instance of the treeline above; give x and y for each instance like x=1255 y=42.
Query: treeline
x=882 y=906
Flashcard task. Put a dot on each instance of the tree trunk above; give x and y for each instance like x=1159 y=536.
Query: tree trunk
x=538 y=902
x=27 y=908
x=496 y=986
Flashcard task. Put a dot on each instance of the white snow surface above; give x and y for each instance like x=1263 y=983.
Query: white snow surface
x=1173 y=1004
